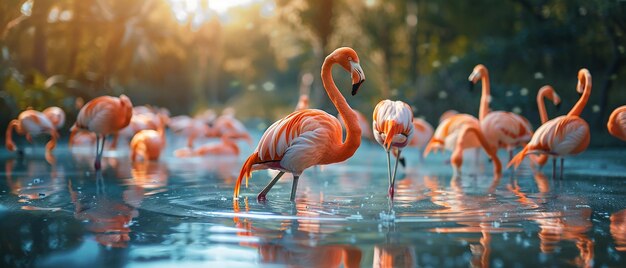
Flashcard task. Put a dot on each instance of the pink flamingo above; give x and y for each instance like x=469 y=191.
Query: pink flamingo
x=56 y=115
x=226 y=147
x=190 y=127
x=227 y=124
x=32 y=123
x=393 y=128
x=309 y=137
x=104 y=115
x=148 y=144
x=502 y=129
x=617 y=123
x=456 y=160
x=447 y=133
x=564 y=135
x=549 y=93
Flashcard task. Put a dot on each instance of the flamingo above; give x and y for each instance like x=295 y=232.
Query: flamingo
x=104 y=115
x=456 y=160
x=32 y=123
x=617 y=123
x=502 y=129
x=393 y=129
x=563 y=135
x=309 y=137
x=227 y=124
x=447 y=133
x=148 y=144
x=56 y=115
x=227 y=146
x=190 y=127
x=549 y=93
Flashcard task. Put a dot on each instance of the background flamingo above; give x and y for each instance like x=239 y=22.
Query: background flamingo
x=190 y=127
x=501 y=129
x=456 y=160
x=227 y=146
x=393 y=129
x=447 y=133
x=56 y=115
x=227 y=124
x=549 y=93
x=31 y=123
x=309 y=137
x=564 y=135
x=147 y=144
x=104 y=115
x=617 y=123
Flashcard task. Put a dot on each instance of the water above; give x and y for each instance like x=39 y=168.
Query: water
x=180 y=212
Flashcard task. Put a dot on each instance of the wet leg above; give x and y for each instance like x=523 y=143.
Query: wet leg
x=562 y=161
x=553 y=168
x=393 y=178
x=389 y=168
x=263 y=193
x=294 y=187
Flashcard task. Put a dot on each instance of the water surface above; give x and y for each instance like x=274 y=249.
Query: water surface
x=180 y=212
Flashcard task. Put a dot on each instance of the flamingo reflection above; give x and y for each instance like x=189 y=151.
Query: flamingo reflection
x=107 y=217
x=33 y=179
x=298 y=252
x=618 y=229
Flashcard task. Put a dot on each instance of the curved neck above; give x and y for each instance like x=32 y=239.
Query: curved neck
x=353 y=130
x=458 y=151
x=585 y=82
x=484 y=98
x=541 y=105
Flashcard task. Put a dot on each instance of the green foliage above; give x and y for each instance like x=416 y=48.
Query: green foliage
x=253 y=56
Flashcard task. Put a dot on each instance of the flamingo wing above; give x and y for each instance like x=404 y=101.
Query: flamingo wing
x=617 y=123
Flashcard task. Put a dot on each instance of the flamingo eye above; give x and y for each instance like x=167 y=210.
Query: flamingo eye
x=349 y=58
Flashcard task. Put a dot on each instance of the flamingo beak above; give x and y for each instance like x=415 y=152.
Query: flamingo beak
x=473 y=78
x=558 y=106
x=358 y=76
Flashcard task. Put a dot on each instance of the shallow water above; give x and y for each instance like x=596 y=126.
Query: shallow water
x=180 y=212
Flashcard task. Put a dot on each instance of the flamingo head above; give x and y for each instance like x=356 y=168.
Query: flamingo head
x=477 y=74
x=584 y=80
x=349 y=60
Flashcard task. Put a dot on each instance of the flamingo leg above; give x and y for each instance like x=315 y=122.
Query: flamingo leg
x=294 y=187
x=553 y=168
x=562 y=161
x=389 y=168
x=393 y=178
x=510 y=154
x=263 y=193
x=99 y=151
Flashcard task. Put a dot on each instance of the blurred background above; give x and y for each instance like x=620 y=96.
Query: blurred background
x=189 y=55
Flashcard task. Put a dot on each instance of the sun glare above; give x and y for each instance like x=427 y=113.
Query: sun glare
x=192 y=9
